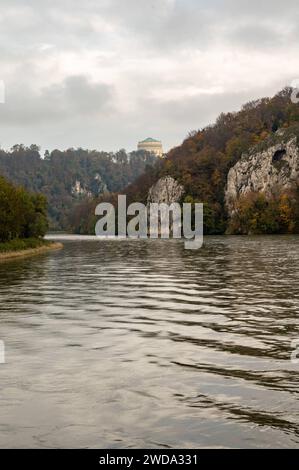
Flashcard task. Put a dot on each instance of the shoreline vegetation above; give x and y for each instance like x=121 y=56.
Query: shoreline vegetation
x=24 y=223
x=20 y=248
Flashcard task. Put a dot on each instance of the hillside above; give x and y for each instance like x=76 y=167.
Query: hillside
x=202 y=163
x=69 y=177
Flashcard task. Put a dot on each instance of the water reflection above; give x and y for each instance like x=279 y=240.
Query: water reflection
x=145 y=344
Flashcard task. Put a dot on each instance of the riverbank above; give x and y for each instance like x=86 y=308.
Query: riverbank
x=26 y=247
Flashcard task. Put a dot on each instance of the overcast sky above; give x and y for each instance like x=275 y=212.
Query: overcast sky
x=106 y=73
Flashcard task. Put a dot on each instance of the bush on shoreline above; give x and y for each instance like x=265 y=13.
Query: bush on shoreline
x=23 y=215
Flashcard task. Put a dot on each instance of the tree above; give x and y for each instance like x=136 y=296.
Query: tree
x=22 y=214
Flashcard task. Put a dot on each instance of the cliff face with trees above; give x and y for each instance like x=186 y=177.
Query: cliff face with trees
x=204 y=159
x=202 y=163
x=262 y=192
x=68 y=178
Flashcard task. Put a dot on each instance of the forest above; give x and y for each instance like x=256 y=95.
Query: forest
x=69 y=177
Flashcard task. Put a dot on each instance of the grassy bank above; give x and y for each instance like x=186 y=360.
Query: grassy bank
x=28 y=246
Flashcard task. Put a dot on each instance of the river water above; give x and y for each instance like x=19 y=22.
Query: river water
x=146 y=344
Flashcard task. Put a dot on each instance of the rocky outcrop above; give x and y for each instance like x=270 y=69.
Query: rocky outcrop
x=270 y=169
x=98 y=185
x=79 y=190
x=94 y=188
x=166 y=190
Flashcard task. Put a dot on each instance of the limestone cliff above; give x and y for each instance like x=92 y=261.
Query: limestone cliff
x=166 y=190
x=270 y=167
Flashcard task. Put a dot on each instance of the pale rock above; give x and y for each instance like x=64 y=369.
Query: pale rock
x=166 y=190
x=269 y=171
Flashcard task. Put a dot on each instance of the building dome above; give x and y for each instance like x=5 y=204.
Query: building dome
x=151 y=145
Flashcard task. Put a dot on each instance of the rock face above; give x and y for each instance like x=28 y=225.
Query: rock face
x=95 y=187
x=98 y=185
x=79 y=190
x=166 y=190
x=269 y=170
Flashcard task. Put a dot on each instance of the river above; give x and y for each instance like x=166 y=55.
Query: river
x=145 y=344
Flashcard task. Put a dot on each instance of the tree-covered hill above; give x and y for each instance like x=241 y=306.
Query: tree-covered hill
x=69 y=177
x=204 y=159
x=202 y=162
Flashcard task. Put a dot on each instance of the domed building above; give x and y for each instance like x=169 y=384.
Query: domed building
x=152 y=146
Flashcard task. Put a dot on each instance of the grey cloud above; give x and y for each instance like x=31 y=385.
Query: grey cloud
x=157 y=24
x=258 y=36
x=75 y=96
x=198 y=23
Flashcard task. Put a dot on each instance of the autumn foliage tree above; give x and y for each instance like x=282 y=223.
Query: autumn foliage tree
x=256 y=213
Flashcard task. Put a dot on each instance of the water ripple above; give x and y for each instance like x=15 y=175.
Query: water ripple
x=146 y=344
